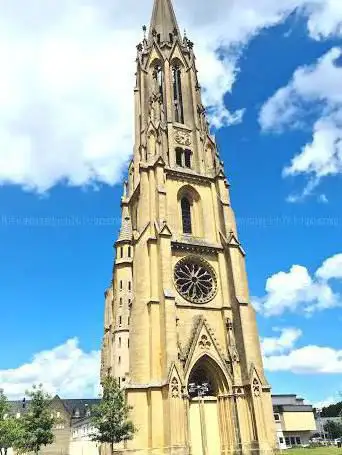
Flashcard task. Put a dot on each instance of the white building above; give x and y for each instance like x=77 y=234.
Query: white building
x=81 y=439
x=295 y=421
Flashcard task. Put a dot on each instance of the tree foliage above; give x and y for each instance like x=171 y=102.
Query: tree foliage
x=10 y=428
x=334 y=410
x=37 y=423
x=334 y=429
x=111 y=417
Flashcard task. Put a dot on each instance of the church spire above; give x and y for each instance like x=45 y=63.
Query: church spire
x=163 y=22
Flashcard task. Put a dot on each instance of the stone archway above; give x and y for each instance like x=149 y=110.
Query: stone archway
x=206 y=384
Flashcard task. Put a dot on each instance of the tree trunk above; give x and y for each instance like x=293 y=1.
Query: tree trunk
x=111 y=448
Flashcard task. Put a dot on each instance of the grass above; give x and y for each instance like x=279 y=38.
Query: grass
x=317 y=451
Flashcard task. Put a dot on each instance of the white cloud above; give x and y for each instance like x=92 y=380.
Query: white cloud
x=277 y=345
x=281 y=354
x=66 y=101
x=297 y=290
x=307 y=360
x=65 y=369
x=316 y=89
x=322 y=198
x=331 y=268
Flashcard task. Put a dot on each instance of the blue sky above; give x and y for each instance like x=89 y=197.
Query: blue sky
x=62 y=169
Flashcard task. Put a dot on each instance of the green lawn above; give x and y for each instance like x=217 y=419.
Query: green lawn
x=318 y=451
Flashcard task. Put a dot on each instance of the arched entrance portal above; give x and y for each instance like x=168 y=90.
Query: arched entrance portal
x=206 y=382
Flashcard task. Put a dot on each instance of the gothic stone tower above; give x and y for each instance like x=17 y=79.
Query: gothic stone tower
x=180 y=332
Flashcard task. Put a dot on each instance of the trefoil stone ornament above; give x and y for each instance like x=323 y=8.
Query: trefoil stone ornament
x=204 y=343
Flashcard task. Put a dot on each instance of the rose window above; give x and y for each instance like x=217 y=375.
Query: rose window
x=195 y=279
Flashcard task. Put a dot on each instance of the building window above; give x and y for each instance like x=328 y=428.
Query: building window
x=129 y=251
x=128 y=320
x=128 y=343
x=129 y=302
x=119 y=342
x=121 y=252
x=298 y=441
x=287 y=442
x=179 y=157
x=120 y=301
x=281 y=440
x=129 y=286
x=186 y=215
x=277 y=417
x=120 y=321
x=159 y=78
x=187 y=158
x=120 y=284
x=119 y=361
x=293 y=441
x=177 y=94
x=59 y=426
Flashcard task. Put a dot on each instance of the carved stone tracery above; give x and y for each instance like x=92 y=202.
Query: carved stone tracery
x=204 y=342
x=175 y=389
x=195 y=279
x=256 y=388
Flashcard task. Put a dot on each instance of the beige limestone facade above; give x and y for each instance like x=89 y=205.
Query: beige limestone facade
x=180 y=332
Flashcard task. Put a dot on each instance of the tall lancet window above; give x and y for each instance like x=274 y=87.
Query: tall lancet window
x=177 y=94
x=186 y=215
x=160 y=80
x=158 y=77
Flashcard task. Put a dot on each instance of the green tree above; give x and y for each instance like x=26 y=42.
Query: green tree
x=111 y=417
x=334 y=429
x=10 y=428
x=37 y=423
x=334 y=410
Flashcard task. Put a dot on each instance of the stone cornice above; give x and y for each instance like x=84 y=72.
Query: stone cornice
x=188 y=176
x=202 y=306
x=193 y=246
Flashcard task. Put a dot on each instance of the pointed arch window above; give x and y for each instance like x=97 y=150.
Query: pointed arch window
x=177 y=94
x=187 y=158
x=179 y=156
x=186 y=215
x=160 y=79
